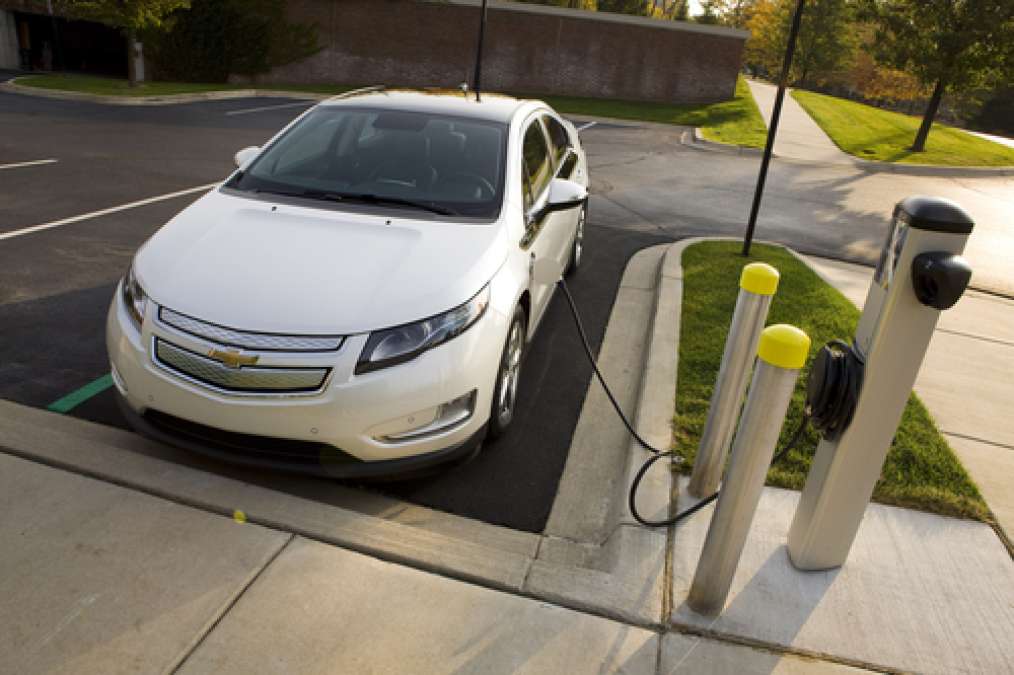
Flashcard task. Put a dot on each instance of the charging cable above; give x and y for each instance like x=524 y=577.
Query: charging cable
x=659 y=454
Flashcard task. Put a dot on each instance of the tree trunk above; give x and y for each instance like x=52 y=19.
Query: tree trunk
x=927 y=119
x=131 y=61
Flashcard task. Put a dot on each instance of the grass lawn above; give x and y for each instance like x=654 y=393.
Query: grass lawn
x=737 y=121
x=921 y=470
x=872 y=133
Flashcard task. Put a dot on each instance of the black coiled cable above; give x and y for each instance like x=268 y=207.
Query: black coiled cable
x=832 y=392
x=656 y=453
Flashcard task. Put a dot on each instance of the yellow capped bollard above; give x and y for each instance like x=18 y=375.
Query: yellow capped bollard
x=781 y=352
x=757 y=283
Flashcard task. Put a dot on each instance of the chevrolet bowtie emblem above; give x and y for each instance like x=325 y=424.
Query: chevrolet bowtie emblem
x=233 y=358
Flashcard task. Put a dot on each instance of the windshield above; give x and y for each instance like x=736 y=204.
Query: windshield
x=448 y=165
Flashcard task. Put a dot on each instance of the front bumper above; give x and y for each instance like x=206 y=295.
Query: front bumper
x=315 y=459
x=351 y=419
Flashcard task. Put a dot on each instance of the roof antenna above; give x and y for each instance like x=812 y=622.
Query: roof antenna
x=477 y=86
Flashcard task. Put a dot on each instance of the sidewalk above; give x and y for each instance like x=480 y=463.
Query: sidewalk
x=798 y=135
x=966 y=382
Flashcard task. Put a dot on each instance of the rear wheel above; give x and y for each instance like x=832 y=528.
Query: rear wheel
x=508 y=376
x=577 y=248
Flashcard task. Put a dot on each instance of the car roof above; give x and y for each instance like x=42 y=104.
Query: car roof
x=454 y=102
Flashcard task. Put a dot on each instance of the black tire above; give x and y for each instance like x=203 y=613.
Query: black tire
x=504 y=404
x=577 y=248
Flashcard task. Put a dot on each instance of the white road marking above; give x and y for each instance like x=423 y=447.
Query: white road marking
x=246 y=111
x=34 y=162
x=103 y=212
x=589 y=125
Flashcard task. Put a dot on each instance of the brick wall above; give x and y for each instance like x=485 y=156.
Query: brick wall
x=529 y=48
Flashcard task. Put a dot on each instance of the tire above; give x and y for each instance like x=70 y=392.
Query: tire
x=508 y=375
x=577 y=248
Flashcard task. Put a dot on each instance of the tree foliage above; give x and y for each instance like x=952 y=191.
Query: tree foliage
x=952 y=45
x=217 y=38
x=130 y=16
x=967 y=44
x=825 y=45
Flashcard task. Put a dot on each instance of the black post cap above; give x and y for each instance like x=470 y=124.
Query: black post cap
x=935 y=214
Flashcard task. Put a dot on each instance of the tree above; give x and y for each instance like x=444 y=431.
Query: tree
x=636 y=7
x=129 y=16
x=825 y=44
x=952 y=46
x=570 y=4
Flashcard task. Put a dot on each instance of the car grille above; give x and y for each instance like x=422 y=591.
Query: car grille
x=247 y=379
x=267 y=342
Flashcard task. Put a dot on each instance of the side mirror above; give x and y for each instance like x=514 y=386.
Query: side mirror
x=246 y=155
x=565 y=194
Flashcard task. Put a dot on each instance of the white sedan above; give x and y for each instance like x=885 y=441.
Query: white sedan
x=356 y=298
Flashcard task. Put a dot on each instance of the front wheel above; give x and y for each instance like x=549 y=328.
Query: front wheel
x=505 y=392
x=577 y=248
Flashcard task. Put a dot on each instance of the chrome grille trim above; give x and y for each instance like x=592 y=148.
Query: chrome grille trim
x=247 y=379
x=231 y=337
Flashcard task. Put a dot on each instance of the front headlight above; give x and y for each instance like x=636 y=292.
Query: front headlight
x=396 y=345
x=134 y=297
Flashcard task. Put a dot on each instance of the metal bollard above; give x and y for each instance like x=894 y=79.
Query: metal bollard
x=757 y=284
x=781 y=352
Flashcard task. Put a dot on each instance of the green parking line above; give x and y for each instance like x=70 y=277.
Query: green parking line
x=76 y=398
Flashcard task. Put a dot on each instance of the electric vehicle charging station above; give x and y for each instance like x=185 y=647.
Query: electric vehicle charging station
x=921 y=273
x=758 y=283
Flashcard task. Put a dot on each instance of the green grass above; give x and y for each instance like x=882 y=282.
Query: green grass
x=872 y=133
x=737 y=121
x=106 y=86
x=921 y=471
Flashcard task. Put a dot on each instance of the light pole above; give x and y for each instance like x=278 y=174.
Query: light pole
x=773 y=128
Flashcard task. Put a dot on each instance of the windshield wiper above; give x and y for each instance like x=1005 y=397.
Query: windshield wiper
x=364 y=198
x=367 y=198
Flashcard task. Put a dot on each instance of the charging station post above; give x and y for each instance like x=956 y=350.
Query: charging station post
x=781 y=352
x=920 y=273
x=757 y=284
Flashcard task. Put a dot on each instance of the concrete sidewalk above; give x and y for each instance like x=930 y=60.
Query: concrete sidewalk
x=966 y=382
x=799 y=137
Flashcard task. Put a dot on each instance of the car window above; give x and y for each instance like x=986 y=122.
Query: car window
x=558 y=137
x=363 y=155
x=537 y=166
x=308 y=143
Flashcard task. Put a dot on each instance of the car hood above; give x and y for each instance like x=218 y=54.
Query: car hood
x=261 y=266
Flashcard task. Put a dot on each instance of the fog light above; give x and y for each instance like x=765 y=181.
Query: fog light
x=449 y=415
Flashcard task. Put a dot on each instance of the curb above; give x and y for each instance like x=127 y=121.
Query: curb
x=11 y=86
x=698 y=142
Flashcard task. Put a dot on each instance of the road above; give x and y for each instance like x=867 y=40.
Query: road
x=55 y=284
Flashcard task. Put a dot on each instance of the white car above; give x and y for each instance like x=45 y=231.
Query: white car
x=356 y=298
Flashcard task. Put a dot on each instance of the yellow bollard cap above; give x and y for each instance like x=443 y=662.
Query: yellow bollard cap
x=784 y=346
x=759 y=278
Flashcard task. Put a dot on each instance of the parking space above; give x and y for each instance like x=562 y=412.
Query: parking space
x=115 y=166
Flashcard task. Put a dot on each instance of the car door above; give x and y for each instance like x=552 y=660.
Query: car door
x=541 y=241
